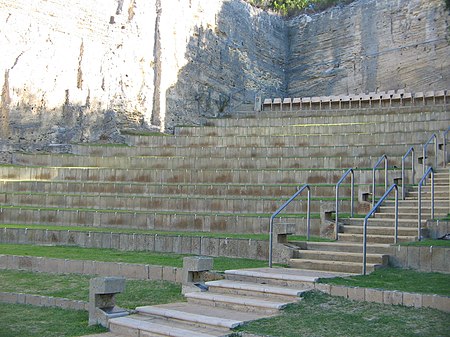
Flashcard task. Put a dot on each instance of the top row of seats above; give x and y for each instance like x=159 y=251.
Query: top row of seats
x=372 y=99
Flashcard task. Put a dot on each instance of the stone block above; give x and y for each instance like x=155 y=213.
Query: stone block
x=89 y=267
x=3 y=261
x=438 y=259
x=155 y=273
x=107 y=268
x=198 y=263
x=134 y=271
x=392 y=297
x=21 y=298
x=356 y=294
x=210 y=246
x=37 y=264
x=47 y=301
x=413 y=257
x=107 y=285
x=441 y=303
x=33 y=300
x=339 y=291
x=425 y=254
x=51 y=265
x=412 y=300
x=8 y=297
x=374 y=295
x=74 y=266
x=169 y=274
x=325 y=288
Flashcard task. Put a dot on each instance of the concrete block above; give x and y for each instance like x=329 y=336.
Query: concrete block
x=325 y=288
x=186 y=245
x=210 y=246
x=107 y=268
x=89 y=267
x=169 y=274
x=413 y=257
x=3 y=261
x=107 y=285
x=412 y=300
x=37 y=264
x=155 y=273
x=441 y=303
x=33 y=300
x=198 y=263
x=425 y=254
x=8 y=297
x=179 y=275
x=134 y=271
x=51 y=265
x=392 y=297
x=74 y=266
x=356 y=294
x=339 y=291
x=115 y=240
x=47 y=301
x=374 y=295
x=438 y=259
x=21 y=298
x=163 y=244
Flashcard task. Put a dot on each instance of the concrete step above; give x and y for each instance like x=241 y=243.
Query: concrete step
x=335 y=150
x=302 y=129
x=183 y=176
x=177 y=163
x=141 y=325
x=346 y=267
x=113 y=189
x=197 y=315
x=388 y=213
x=295 y=140
x=280 y=277
x=255 y=290
x=192 y=203
x=340 y=256
x=383 y=222
x=390 y=231
x=209 y=222
x=237 y=302
x=386 y=239
x=275 y=118
x=350 y=247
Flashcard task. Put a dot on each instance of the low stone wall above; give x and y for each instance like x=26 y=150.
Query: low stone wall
x=426 y=259
x=226 y=247
x=87 y=267
x=391 y=297
x=438 y=228
x=43 y=301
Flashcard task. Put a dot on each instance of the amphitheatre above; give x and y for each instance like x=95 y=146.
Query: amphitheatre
x=218 y=169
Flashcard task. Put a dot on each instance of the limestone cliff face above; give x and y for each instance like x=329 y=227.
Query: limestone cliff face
x=370 y=45
x=83 y=70
x=75 y=70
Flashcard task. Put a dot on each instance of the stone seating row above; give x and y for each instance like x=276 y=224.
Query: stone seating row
x=363 y=100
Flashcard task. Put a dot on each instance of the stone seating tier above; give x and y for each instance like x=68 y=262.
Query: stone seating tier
x=362 y=100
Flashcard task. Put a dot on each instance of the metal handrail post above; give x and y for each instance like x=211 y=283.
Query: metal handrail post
x=430 y=171
x=444 y=145
x=372 y=211
x=410 y=151
x=425 y=146
x=352 y=178
x=385 y=158
x=278 y=211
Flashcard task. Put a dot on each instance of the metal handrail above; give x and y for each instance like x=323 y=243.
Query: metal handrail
x=385 y=158
x=410 y=151
x=308 y=220
x=425 y=146
x=430 y=171
x=444 y=144
x=352 y=177
x=372 y=211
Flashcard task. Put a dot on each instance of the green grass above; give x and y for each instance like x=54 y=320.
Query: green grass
x=427 y=243
x=325 y=316
x=28 y=321
x=76 y=287
x=112 y=255
x=406 y=280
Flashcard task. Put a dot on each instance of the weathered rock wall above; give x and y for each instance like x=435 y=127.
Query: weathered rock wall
x=370 y=45
x=83 y=70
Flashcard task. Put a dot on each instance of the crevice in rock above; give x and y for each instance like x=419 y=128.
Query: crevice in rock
x=156 y=113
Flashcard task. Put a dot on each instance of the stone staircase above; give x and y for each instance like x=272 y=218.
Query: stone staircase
x=244 y=295
x=346 y=254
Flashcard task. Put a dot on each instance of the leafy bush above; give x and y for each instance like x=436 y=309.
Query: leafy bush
x=293 y=7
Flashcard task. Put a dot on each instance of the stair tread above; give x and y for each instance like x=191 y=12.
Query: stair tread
x=344 y=263
x=338 y=253
x=285 y=274
x=256 y=287
x=136 y=322
x=240 y=300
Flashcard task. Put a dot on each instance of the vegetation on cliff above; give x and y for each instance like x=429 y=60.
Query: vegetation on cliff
x=293 y=7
